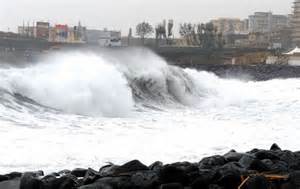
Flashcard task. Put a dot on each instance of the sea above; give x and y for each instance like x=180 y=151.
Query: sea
x=86 y=109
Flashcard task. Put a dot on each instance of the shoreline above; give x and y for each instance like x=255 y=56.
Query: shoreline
x=248 y=72
x=256 y=169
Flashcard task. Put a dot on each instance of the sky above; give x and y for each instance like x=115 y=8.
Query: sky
x=123 y=14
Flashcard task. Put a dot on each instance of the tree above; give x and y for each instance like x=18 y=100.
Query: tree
x=143 y=30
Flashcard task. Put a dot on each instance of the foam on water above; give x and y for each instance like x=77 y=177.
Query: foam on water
x=101 y=117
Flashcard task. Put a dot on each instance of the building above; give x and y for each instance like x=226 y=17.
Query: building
x=230 y=25
x=27 y=31
x=104 y=38
x=42 y=30
x=266 y=22
x=296 y=23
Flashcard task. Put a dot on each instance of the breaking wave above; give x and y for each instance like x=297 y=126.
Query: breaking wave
x=108 y=84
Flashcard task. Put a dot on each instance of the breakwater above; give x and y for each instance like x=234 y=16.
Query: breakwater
x=257 y=169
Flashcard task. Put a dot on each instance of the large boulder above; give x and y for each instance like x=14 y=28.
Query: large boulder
x=30 y=180
x=267 y=154
x=127 y=168
x=275 y=147
x=173 y=174
x=64 y=182
x=90 y=177
x=233 y=156
x=79 y=172
x=145 y=179
x=212 y=162
x=229 y=175
x=156 y=166
x=123 y=182
x=10 y=184
x=247 y=160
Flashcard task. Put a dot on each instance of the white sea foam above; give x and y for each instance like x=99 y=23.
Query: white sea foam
x=215 y=116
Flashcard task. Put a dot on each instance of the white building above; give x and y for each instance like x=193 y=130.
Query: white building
x=294 y=57
x=296 y=23
x=104 y=38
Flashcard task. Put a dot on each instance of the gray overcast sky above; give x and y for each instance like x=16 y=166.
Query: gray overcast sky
x=121 y=14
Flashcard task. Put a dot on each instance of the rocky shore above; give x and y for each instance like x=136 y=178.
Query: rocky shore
x=257 y=72
x=256 y=169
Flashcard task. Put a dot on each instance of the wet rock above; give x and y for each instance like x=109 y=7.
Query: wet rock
x=190 y=170
x=30 y=180
x=108 y=170
x=3 y=178
x=65 y=182
x=212 y=162
x=246 y=160
x=172 y=174
x=90 y=176
x=233 y=156
x=257 y=182
x=156 y=166
x=230 y=175
x=145 y=179
x=127 y=168
x=171 y=186
x=275 y=147
x=79 y=172
x=259 y=166
x=280 y=167
x=10 y=184
x=14 y=175
x=132 y=166
x=203 y=182
x=265 y=154
x=64 y=172
x=110 y=183
x=289 y=157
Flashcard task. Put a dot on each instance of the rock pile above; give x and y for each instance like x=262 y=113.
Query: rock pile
x=256 y=169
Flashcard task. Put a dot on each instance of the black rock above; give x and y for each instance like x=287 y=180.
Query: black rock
x=156 y=166
x=202 y=182
x=275 y=147
x=289 y=157
x=30 y=180
x=90 y=176
x=10 y=184
x=172 y=174
x=233 y=156
x=64 y=172
x=212 y=162
x=3 y=178
x=171 y=186
x=259 y=166
x=79 y=172
x=190 y=170
x=122 y=182
x=247 y=160
x=257 y=182
x=127 y=168
x=229 y=175
x=280 y=167
x=145 y=179
x=64 y=182
x=108 y=170
x=265 y=154
x=132 y=166
x=14 y=175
